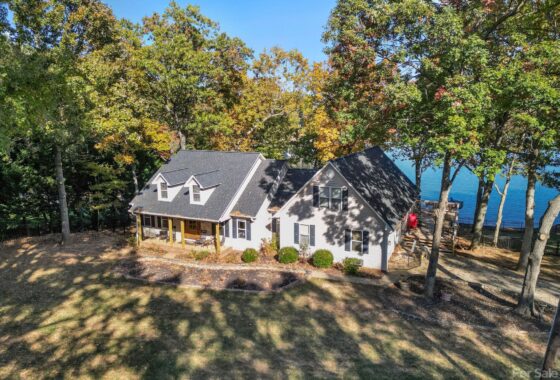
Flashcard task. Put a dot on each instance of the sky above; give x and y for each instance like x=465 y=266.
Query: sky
x=289 y=24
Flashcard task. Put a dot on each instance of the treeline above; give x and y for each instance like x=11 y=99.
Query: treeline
x=90 y=105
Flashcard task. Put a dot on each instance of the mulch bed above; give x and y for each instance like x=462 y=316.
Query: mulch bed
x=471 y=304
x=213 y=278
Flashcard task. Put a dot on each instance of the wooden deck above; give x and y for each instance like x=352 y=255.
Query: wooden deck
x=418 y=242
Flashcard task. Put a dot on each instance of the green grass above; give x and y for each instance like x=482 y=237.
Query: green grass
x=63 y=314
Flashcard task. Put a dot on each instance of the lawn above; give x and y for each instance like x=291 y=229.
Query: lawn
x=64 y=314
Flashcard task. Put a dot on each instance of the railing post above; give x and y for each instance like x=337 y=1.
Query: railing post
x=183 y=233
x=170 y=226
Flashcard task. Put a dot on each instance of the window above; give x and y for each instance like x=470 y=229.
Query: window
x=330 y=197
x=241 y=229
x=163 y=190
x=196 y=193
x=164 y=223
x=304 y=234
x=324 y=196
x=158 y=222
x=147 y=220
x=191 y=225
x=357 y=241
x=336 y=198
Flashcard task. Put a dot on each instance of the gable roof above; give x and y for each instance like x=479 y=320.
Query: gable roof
x=290 y=185
x=261 y=185
x=379 y=182
x=224 y=170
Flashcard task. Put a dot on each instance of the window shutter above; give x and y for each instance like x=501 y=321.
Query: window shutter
x=345 y=199
x=226 y=229
x=273 y=225
x=296 y=233
x=248 y=231
x=347 y=240
x=312 y=235
x=315 y=196
x=222 y=229
x=365 y=242
x=234 y=228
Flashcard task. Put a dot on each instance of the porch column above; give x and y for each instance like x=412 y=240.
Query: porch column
x=217 y=239
x=170 y=227
x=183 y=233
x=138 y=228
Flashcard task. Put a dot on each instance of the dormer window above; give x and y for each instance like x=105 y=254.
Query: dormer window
x=163 y=190
x=196 y=193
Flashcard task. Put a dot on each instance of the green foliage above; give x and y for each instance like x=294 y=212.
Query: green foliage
x=351 y=265
x=288 y=255
x=323 y=258
x=249 y=255
x=201 y=255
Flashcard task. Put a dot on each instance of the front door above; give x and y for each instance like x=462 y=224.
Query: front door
x=192 y=230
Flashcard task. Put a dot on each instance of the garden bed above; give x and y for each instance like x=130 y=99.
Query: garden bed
x=470 y=304
x=207 y=277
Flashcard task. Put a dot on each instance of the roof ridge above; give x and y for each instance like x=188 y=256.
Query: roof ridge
x=355 y=153
x=216 y=151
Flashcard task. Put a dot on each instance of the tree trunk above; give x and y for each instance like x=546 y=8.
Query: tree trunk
x=503 y=196
x=478 y=199
x=438 y=228
x=135 y=180
x=481 y=217
x=418 y=174
x=526 y=305
x=529 y=218
x=64 y=220
x=553 y=346
x=182 y=140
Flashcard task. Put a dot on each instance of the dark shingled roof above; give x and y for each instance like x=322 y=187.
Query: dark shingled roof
x=226 y=169
x=380 y=182
x=260 y=186
x=292 y=182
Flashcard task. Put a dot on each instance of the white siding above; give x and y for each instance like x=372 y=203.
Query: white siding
x=330 y=225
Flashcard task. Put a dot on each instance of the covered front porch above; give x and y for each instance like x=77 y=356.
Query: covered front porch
x=177 y=231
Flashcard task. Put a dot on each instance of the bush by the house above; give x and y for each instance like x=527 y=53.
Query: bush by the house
x=323 y=258
x=288 y=255
x=201 y=255
x=351 y=265
x=249 y=255
x=269 y=247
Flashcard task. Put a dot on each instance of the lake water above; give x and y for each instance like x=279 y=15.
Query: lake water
x=464 y=189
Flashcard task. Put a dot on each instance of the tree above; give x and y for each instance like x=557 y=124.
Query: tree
x=56 y=35
x=123 y=126
x=193 y=71
x=553 y=346
x=537 y=118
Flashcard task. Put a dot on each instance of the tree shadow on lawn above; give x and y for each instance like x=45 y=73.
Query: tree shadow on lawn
x=63 y=313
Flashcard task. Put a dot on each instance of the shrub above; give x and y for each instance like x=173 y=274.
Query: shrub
x=131 y=241
x=323 y=258
x=201 y=255
x=288 y=255
x=249 y=255
x=268 y=247
x=351 y=265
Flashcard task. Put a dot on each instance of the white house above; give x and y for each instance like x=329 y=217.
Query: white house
x=354 y=206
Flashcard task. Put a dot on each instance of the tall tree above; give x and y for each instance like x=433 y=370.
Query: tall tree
x=194 y=72
x=56 y=35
